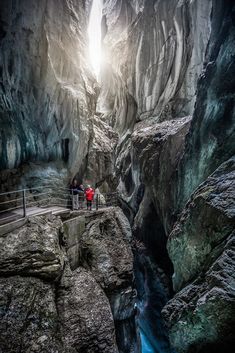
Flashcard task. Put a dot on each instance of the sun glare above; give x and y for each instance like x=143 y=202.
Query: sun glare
x=94 y=32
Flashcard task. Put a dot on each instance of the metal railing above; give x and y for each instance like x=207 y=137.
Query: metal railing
x=17 y=204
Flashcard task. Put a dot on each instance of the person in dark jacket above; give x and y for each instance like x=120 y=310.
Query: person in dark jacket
x=81 y=198
x=74 y=192
x=89 y=192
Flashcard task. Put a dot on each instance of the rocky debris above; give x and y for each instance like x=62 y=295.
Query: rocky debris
x=207 y=220
x=86 y=319
x=106 y=251
x=202 y=248
x=33 y=250
x=28 y=316
x=158 y=147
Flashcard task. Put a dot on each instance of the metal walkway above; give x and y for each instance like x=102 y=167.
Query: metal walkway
x=19 y=204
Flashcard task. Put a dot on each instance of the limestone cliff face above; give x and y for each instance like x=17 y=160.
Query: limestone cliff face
x=154 y=52
x=211 y=138
x=68 y=287
x=47 y=96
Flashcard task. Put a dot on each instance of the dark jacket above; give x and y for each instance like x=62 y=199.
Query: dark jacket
x=74 y=189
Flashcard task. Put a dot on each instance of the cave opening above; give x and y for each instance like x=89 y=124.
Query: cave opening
x=94 y=35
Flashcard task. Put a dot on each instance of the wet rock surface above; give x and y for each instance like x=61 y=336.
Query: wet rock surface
x=201 y=247
x=211 y=138
x=159 y=147
x=160 y=78
x=201 y=315
x=209 y=217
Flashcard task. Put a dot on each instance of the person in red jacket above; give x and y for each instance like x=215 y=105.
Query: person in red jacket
x=89 y=192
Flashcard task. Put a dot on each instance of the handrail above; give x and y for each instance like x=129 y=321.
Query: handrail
x=40 y=197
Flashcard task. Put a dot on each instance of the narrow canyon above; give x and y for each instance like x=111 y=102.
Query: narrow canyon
x=135 y=98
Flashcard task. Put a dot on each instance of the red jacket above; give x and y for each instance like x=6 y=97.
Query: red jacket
x=90 y=194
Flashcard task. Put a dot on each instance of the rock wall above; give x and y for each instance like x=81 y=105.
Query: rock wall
x=149 y=141
x=161 y=57
x=210 y=141
x=154 y=53
x=47 y=93
x=201 y=247
x=57 y=300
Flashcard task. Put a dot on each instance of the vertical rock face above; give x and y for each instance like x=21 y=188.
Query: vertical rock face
x=210 y=141
x=87 y=324
x=155 y=51
x=46 y=91
x=201 y=246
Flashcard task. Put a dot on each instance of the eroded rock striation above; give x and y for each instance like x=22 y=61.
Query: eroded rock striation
x=140 y=133
x=47 y=93
x=144 y=89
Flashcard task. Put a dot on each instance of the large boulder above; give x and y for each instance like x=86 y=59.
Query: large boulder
x=202 y=248
x=33 y=249
x=86 y=319
x=28 y=316
x=158 y=148
x=106 y=251
x=207 y=220
x=201 y=316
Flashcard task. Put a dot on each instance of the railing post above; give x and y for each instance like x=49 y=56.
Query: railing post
x=97 y=201
x=72 y=201
x=24 y=204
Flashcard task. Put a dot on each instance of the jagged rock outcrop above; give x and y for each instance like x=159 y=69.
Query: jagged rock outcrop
x=47 y=93
x=33 y=250
x=205 y=223
x=201 y=246
x=158 y=148
x=100 y=243
x=56 y=300
x=85 y=314
x=106 y=252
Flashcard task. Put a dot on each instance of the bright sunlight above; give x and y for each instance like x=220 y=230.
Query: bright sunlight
x=94 y=32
